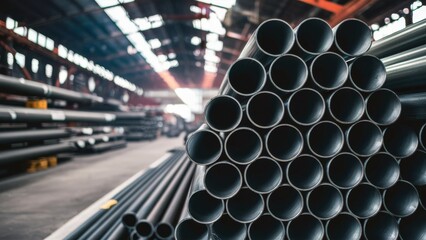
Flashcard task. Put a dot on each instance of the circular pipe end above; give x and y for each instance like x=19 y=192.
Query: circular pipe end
x=190 y=229
x=402 y=199
x=325 y=201
x=228 y=228
x=246 y=206
x=413 y=227
x=243 y=145
x=382 y=226
x=144 y=229
x=400 y=140
x=223 y=180
x=383 y=107
x=367 y=73
x=266 y=228
x=329 y=71
x=364 y=138
x=204 y=147
x=265 y=117
x=346 y=105
x=164 y=231
x=285 y=203
x=246 y=76
x=364 y=200
x=204 y=208
x=382 y=170
x=305 y=172
x=314 y=36
x=129 y=220
x=345 y=171
x=305 y=226
x=413 y=168
x=284 y=142
x=343 y=227
x=306 y=106
x=223 y=122
x=282 y=40
x=353 y=37
x=263 y=175
x=288 y=73
x=325 y=130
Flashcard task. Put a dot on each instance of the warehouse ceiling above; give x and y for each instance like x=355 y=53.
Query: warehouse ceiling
x=159 y=44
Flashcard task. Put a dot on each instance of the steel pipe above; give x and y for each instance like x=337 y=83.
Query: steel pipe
x=345 y=170
x=305 y=226
x=266 y=228
x=33 y=135
x=305 y=172
x=382 y=170
x=346 y=105
x=228 y=228
x=413 y=168
x=407 y=75
x=422 y=137
x=404 y=56
x=187 y=228
x=400 y=140
x=343 y=227
x=383 y=107
x=306 y=106
x=413 y=227
x=413 y=106
x=352 y=37
x=325 y=130
x=246 y=206
x=284 y=142
x=288 y=73
x=261 y=116
x=364 y=200
x=402 y=199
x=223 y=180
x=285 y=203
x=367 y=73
x=263 y=175
x=325 y=201
x=204 y=147
x=382 y=226
x=329 y=71
x=243 y=145
x=364 y=138
x=223 y=113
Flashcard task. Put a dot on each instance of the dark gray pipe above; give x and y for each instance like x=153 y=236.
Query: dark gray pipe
x=204 y=147
x=261 y=116
x=400 y=140
x=343 y=227
x=422 y=196
x=285 y=203
x=246 y=206
x=346 y=105
x=382 y=226
x=422 y=136
x=402 y=199
x=243 y=145
x=266 y=228
x=305 y=172
x=329 y=71
x=364 y=138
x=263 y=175
x=306 y=106
x=367 y=73
x=407 y=75
x=223 y=180
x=410 y=37
x=288 y=73
x=228 y=228
x=244 y=78
x=325 y=130
x=187 y=228
x=383 y=107
x=271 y=39
x=305 y=226
x=345 y=170
x=413 y=168
x=404 y=56
x=382 y=170
x=352 y=37
x=413 y=106
x=223 y=113
x=364 y=200
x=33 y=135
x=284 y=142
x=413 y=227
x=325 y=201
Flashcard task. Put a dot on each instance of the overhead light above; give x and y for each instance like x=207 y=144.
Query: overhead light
x=217 y=46
x=10 y=23
x=220 y=3
x=210 y=52
x=211 y=58
x=375 y=27
x=117 y=13
x=195 y=9
x=211 y=69
x=50 y=44
x=34 y=65
x=395 y=16
x=174 y=63
x=32 y=35
x=198 y=64
x=155 y=43
x=20 y=59
x=48 y=70
x=91 y=84
x=220 y=12
x=106 y=3
x=63 y=75
x=212 y=37
x=195 y=40
x=172 y=55
x=162 y=58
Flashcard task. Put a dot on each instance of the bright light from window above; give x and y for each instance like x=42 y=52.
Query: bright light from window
x=155 y=43
x=220 y=3
x=180 y=109
x=191 y=97
x=10 y=23
x=10 y=59
x=32 y=35
x=20 y=59
x=21 y=31
x=389 y=29
x=209 y=68
x=41 y=40
x=375 y=27
x=106 y=3
x=50 y=44
x=395 y=16
x=212 y=58
x=195 y=40
x=34 y=65
x=212 y=37
x=419 y=14
x=217 y=46
x=220 y=12
x=195 y=9
x=416 y=5
x=116 y=13
x=174 y=63
x=162 y=58
x=63 y=75
x=172 y=55
x=48 y=70
x=212 y=24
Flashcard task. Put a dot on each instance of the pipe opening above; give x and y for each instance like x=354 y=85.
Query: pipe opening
x=204 y=147
x=305 y=172
x=325 y=201
x=353 y=37
x=383 y=107
x=364 y=138
x=190 y=229
x=266 y=228
x=263 y=175
x=228 y=228
x=261 y=116
x=243 y=145
x=284 y=142
x=144 y=229
x=314 y=36
x=282 y=40
x=247 y=76
x=400 y=140
x=306 y=106
x=129 y=219
x=344 y=227
x=422 y=137
x=325 y=130
x=164 y=231
x=382 y=226
x=246 y=206
x=285 y=203
x=401 y=199
x=367 y=73
x=413 y=227
x=364 y=200
x=413 y=168
x=223 y=180
x=205 y=208
x=288 y=73
x=305 y=226
x=345 y=170
x=215 y=117
x=382 y=170
x=329 y=71
x=346 y=105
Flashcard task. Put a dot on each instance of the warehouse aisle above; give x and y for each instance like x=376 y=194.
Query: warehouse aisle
x=34 y=205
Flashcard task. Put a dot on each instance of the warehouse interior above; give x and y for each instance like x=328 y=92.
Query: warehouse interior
x=213 y=119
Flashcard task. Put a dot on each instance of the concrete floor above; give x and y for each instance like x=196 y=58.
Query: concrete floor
x=34 y=205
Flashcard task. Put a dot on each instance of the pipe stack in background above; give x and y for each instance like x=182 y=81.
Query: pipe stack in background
x=313 y=137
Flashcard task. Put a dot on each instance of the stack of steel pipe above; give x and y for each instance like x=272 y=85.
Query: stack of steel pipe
x=304 y=142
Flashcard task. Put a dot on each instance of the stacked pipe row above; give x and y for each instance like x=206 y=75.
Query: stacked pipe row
x=308 y=139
